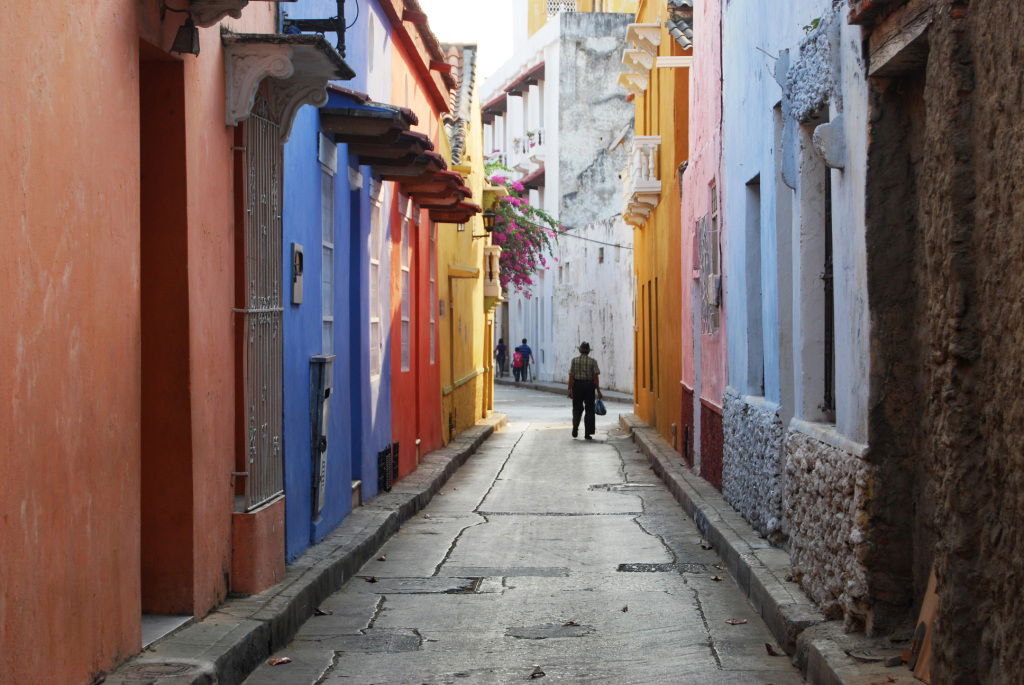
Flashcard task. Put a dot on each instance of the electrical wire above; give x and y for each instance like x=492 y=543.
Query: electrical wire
x=356 y=19
x=592 y=240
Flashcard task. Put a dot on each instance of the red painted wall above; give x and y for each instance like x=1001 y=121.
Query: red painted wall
x=416 y=394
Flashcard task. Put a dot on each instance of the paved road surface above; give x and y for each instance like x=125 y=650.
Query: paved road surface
x=542 y=551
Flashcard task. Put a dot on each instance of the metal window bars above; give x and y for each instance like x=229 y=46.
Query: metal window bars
x=262 y=349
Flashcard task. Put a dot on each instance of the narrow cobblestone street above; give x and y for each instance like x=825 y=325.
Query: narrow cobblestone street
x=542 y=551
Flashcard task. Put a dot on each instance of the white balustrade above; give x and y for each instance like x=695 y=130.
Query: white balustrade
x=642 y=185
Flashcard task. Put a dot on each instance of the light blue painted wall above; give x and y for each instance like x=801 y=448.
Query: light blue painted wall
x=751 y=29
x=756 y=35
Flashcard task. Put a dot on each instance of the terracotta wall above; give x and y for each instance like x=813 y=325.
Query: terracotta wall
x=69 y=344
x=71 y=348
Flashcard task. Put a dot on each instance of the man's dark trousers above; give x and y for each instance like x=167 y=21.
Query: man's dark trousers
x=583 y=400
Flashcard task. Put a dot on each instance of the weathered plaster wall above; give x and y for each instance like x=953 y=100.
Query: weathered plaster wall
x=586 y=125
x=753 y=468
x=593 y=301
x=592 y=118
x=704 y=353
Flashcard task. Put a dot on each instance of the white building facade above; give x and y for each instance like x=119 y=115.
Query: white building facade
x=553 y=117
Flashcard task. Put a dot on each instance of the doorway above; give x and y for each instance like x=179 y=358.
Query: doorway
x=166 y=456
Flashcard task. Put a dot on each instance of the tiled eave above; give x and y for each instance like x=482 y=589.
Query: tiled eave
x=459 y=214
x=535 y=179
x=528 y=77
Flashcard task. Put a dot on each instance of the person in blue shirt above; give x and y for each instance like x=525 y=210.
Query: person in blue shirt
x=524 y=355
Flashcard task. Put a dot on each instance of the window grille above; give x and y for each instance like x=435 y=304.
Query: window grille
x=829 y=395
x=710 y=267
x=262 y=349
x=556 y=7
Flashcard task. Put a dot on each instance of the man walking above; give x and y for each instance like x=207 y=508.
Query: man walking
x=584 y=383
x=525 y=357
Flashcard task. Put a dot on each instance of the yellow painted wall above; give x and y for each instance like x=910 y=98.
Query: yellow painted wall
x=464 y=330
x=662 y=111
x=538 y=10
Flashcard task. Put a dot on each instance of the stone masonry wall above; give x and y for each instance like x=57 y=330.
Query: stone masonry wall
x=945 y=433
x=826 y=489
x=752 y=464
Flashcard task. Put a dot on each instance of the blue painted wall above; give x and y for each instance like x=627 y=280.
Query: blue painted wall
x=360 y=410
x=303 y=339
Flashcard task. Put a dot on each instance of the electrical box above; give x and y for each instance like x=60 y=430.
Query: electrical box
x=297 y=269
x=321 y=374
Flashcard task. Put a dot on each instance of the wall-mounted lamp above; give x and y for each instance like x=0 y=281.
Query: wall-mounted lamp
x=187 y=38
x=489 y=218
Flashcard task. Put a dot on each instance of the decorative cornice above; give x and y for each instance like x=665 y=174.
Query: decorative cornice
x=646 y=37
x=295 y=68
x=639 y=61
x=245 y=68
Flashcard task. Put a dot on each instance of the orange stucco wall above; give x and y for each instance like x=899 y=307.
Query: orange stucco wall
x=662 y=111
x=69 y=343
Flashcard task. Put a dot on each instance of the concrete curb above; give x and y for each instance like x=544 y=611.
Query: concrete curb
x=815 y=644
x=227 y=645
x=609 y=395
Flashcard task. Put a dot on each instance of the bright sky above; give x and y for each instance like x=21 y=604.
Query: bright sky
x=488 y=23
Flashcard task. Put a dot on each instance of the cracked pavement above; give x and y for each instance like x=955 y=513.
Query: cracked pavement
x=541 y=551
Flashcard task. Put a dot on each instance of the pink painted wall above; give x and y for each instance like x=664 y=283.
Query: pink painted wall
x=704 y=169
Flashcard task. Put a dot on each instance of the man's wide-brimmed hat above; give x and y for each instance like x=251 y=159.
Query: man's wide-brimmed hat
x=584 y=347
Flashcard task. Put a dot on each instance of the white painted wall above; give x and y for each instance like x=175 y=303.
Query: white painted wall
x=756 y=33
x=592 y=300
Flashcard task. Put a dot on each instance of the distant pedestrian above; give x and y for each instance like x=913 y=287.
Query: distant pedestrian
x=521 y=362
x=584 y=383
x=501 y=355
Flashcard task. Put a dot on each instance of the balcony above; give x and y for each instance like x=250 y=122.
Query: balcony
x=535 y=145
x=642 y=186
